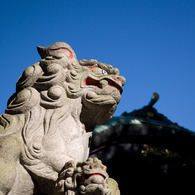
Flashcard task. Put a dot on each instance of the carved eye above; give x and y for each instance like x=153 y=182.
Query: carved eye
x=99 y=71
x=104 y=72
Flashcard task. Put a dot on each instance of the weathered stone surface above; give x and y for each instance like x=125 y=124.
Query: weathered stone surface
x=46 y=128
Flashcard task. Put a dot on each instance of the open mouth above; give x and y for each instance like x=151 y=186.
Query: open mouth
x=98 y=83
x=88 y=176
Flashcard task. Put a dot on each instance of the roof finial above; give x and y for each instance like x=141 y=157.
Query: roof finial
x=154 y=99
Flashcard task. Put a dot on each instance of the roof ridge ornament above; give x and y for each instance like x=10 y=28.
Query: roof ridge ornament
x=153 y=100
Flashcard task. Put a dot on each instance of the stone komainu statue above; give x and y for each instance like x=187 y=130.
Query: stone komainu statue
x=46 y=129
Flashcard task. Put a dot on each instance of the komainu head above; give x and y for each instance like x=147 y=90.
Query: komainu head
x=60 y=81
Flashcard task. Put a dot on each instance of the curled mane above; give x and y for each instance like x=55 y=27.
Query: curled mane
x=44 y=90
x=48 y=84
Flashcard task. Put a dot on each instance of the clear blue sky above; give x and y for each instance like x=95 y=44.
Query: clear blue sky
x=152 y=42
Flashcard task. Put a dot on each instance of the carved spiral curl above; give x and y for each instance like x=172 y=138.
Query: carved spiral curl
x=55 y=97
x=24 y=101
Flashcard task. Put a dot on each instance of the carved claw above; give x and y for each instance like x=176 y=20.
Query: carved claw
x=66 y=182
x=67 y=170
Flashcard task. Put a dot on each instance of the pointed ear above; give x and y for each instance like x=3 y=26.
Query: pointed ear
x=42 y=51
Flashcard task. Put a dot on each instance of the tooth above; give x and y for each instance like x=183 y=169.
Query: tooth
x=103 y=83
x=91 y=95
